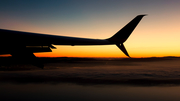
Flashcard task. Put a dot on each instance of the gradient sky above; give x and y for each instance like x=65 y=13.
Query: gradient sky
x=158 y=34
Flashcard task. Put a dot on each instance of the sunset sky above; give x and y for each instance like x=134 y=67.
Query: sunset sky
x=157 y=35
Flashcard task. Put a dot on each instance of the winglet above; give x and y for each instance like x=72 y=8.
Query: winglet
x=123 y=49
x=122 y=35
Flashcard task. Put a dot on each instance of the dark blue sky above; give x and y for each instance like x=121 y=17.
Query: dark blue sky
x=41 y=10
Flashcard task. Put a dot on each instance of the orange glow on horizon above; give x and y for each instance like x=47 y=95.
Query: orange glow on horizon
x=107 y=51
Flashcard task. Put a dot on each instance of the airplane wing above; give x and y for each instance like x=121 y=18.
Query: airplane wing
x=23 y=44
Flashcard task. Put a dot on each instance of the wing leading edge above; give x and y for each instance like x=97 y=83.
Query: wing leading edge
x=29 y=43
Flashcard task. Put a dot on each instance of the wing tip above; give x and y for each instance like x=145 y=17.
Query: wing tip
x=143 y=15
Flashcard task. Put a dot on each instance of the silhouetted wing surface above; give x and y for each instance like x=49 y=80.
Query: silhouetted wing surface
x=24 y=44
x=31 y=39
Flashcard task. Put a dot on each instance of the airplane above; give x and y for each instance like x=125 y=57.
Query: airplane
x=22 y=45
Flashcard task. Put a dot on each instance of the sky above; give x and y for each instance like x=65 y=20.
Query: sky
x=157 y=35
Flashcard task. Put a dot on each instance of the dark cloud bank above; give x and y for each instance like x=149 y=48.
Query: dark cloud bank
x=90 y=71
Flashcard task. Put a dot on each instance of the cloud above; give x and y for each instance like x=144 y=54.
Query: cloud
x=89 y=71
